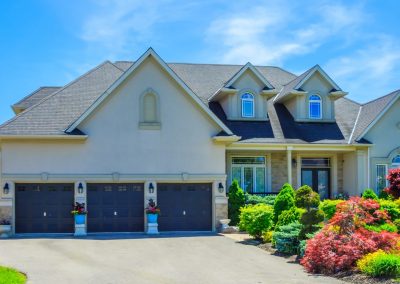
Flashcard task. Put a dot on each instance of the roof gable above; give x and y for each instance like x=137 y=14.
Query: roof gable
x=372 y=112
x=297 y=84
x=149 y=53
x=252 y=69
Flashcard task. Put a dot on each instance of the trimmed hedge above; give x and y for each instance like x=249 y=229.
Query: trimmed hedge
x=284 y=201
x=256 y=219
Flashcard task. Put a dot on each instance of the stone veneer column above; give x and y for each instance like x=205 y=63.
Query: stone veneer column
x=6 y=203
x=220 y=203
x=81 y=230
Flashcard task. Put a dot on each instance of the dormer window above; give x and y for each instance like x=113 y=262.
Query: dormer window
x=247 y=105
x=315 y=107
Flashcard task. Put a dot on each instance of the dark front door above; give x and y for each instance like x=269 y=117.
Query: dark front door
x=44 y=208
x=318 y=179
x=115 y=207
x=185 y=207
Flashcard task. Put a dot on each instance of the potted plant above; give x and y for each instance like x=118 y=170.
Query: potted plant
x=79 y=213
x=152 y=212
x=5 y=228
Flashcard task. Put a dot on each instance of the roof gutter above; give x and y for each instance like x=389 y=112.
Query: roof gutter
x=43 y=137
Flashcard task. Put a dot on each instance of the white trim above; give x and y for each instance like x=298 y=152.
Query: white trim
x=179 y=81
x=43 y=137
x=387 y=107
x=355 y=125
x=254 y=70
x=252 y=101
x=324 y=75
x=315 y=101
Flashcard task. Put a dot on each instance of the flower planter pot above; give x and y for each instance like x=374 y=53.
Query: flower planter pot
x=80 y=219
x=5 y=231
x=152 y=218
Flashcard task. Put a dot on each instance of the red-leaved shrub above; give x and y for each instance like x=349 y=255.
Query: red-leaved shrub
x=344 y=239
x=394 y=183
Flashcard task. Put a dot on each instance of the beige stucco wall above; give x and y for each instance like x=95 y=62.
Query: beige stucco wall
x=231 y=103
x=316 y=84
x=385 y=136
x=116 y=144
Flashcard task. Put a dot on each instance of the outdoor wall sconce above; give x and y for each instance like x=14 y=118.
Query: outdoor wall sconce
x=6 y=188
x=220 y=187
x=80 y=188
x=151 y=188
x=294 y=162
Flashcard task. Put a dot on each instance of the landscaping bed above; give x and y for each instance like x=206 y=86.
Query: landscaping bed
x=11 y=276
x=354 y=239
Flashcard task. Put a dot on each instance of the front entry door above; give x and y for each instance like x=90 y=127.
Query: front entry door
x=318 y=179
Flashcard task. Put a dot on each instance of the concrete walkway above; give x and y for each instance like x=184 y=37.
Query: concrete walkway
x=138 y=259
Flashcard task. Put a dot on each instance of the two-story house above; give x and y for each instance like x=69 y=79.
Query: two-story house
x=125 y=132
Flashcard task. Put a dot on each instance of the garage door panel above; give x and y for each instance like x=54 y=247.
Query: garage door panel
x=126 y=200
x=185 y=207
x=33 y=200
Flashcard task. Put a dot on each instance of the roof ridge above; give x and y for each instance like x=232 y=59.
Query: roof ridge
x=53 y=94
x=34 y=92
x=379 y=98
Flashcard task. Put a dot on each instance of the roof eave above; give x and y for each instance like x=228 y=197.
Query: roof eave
x=5 y=137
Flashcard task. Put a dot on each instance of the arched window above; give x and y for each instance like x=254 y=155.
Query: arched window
x=150 y=108
x=396 y=161
x=247 y=105
x=315 y=107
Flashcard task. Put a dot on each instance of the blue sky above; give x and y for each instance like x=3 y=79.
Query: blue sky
x=49 y=43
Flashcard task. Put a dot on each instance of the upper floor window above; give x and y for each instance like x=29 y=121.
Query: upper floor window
x=315 y=107
x=247 y=105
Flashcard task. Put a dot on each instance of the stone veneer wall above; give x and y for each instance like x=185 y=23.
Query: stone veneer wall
x=340 y=173
x=279 y=171
x=221 y=212
x=5 y=213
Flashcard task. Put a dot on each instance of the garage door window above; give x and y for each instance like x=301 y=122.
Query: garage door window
x=250 y=172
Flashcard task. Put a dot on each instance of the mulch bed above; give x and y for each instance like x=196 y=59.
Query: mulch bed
x=351 y=277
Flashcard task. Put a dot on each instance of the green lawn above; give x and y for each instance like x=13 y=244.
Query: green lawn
x=11 y=276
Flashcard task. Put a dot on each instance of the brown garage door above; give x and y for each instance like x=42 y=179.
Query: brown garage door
x=44 y=208
x=115 y=207
x=185 y=207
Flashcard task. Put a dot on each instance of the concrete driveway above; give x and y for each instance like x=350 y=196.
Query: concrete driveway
x=138 y=259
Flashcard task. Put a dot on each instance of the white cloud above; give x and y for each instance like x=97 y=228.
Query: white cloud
x=273 y=32
x=371 y=71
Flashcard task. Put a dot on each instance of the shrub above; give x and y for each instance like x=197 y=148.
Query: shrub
x=255 y=199
x=284 y=201
x=236 y=201
x=380 y=264
x=369 y=194
x=286 y=239
x=394 y=183
x=256 y=219
x=329 y=207
x=392 y=208
x=267 y=236
x=302 y=248
x=289 y=216
x=308 y=199
x=397 y=224
x=331 y=252
x=383 y=227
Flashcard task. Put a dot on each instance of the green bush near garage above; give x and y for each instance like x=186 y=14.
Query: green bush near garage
x=11 y=276
x=256 y=199
x=256 y=219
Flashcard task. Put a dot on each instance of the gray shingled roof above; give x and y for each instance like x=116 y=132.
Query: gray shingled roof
x=370 y=111
x=52 y=115
x=53 y=109
x=35 y=97
x=206 y=79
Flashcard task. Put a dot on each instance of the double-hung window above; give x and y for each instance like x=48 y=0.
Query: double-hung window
x=247 y=105
x=381 y=172
x=315 y=107
x=250 y=172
